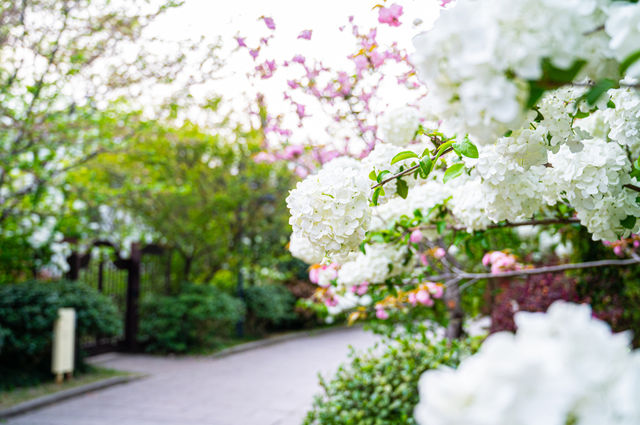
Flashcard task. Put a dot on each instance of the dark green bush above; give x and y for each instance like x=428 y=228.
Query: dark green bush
x=27 y=313
x=380 y=388
x=201 y=316
x=269 y=307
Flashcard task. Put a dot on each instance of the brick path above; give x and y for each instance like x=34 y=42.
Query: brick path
x=273 y=385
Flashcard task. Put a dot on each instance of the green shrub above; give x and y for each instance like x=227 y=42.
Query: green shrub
x=269 y=307
x=380 y=388
x=201 y=316
x=27 y=313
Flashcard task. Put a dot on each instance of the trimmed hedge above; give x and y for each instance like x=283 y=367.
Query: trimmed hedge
x=201 y=316
x=27 y=313
x=381 y=388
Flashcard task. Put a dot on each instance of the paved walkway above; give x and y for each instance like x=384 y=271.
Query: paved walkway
x=273 y=385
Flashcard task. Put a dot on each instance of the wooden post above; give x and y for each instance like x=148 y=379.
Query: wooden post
x=101 y=273
x=167 y=277
x=456 y=315
x=74 y=266
x=133 y=294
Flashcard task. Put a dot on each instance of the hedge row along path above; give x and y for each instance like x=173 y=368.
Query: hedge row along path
x=272 y=385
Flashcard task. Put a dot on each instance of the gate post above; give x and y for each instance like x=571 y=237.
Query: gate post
x=133 y=295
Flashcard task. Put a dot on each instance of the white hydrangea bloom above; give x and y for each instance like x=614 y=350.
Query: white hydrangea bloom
x=560 y=367
x=331 y=210
x=380 y=262
x=624 y=120
x=593 y=180
x=399 y=126
x=468 y=203
x=623 y=26
x=301 y=248
x=423 y=196
x=479 y=55
x=512 y=172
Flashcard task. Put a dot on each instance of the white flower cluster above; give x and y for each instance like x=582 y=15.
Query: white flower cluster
x=330 y=209
x=562 y=367
x=423 y=196
x=399 y=126
x=593 y=180
x=478 y=57
x=623 y=121
x=623 y=26
x=301 y=248
x=380 y=262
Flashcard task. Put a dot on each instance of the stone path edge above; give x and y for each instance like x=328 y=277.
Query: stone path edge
x=48 y=399
x=275 y=340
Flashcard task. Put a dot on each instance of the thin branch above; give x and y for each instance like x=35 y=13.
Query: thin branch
x=632 y=187
x=528 y=272
x=541 y=222
x=407 y=171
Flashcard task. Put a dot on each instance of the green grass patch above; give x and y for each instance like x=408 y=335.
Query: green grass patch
x=21 y=394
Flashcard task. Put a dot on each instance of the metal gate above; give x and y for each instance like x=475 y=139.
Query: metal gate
x=147 y=270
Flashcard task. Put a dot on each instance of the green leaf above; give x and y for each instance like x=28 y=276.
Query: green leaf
x=535 y=93
x=596 y=91
x=629 y=60
x=402 y=188
x=362 y=248
x=376 y=194
x=466 y=148
x=453 y=171
x=559 y=75
x=441 y=226
x=372 y=175
x=404 y=155
x=425 y=166
x=628 y=222
x=381 y=175
x=635 y=173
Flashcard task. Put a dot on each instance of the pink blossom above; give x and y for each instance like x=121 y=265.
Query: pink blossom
x=416 y=236
x=292 y=151
x=293 y=84
x=314 y=274
x=300 y=110
x=444 y=3
x=381 y=313
x=439 y=253
x=636 y=243
x=301 y=172
x=361 y=63
x=412 y=298
x=423 y=259
x=377 y=58
x=254 y=53
x=486 y=259
x=305 y=35
x=269 y=22
x=331 y=302
x=389 y=15
x=241 y=42
x=324 y=156
x=363 y=288
x=299 y=59
x=618 y=250
x=424 y=298
x=264 y=157
x=436 y=290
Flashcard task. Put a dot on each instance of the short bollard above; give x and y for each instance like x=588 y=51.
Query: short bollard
x=64 y=330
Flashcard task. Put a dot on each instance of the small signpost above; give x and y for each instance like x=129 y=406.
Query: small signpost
x=64 y=330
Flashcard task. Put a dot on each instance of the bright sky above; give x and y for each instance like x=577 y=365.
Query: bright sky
x=226 y=19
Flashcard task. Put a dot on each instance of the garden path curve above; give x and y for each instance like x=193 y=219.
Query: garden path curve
x=272 y=385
